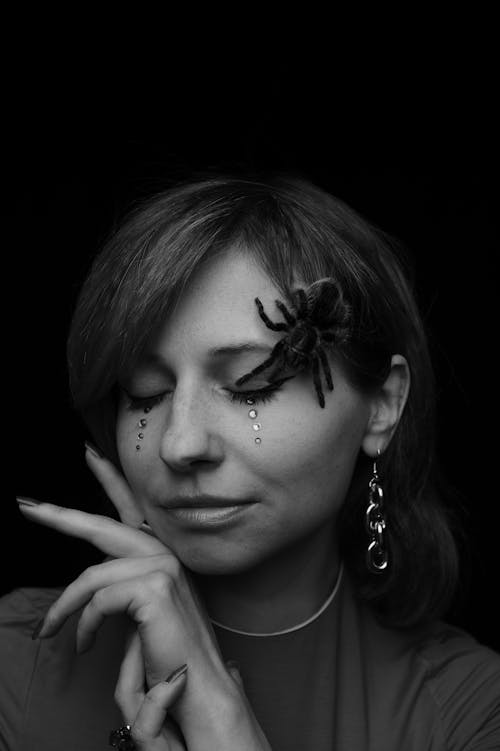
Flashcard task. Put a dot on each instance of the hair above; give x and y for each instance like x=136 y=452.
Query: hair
x=292 y=228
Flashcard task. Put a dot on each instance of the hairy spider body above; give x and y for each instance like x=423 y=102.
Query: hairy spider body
x=320 y=318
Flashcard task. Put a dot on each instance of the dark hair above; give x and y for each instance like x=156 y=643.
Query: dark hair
x=292 y=228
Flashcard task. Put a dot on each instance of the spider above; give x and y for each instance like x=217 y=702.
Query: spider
x=303 y=343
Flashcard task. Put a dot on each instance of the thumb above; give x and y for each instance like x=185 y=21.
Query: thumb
x=234 y=670
x=148 y=730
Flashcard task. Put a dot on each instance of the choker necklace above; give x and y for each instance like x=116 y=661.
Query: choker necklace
x=299 y=625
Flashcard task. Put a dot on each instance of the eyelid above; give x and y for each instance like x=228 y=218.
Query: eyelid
x=136 y=402
x=137 y=397
x=271 y=389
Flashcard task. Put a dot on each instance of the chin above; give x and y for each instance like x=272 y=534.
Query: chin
x=216 y=563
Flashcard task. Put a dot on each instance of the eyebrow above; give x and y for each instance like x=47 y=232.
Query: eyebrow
x=238 y=348
x=227 y=350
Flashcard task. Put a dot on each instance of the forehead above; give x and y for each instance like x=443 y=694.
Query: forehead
x=217 y=306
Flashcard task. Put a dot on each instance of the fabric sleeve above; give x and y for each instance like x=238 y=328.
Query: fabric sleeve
x=464 y=680
x=20 y=611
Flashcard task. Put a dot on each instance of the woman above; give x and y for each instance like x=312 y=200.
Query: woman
x=249 y=359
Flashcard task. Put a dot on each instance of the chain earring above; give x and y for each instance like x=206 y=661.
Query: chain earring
x=376 y=556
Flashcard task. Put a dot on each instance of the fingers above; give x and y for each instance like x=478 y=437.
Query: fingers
x=150 y=719
x=116 y=487
x=98 y=583
x=129 y=691
x=151 y=730
x=110 y=536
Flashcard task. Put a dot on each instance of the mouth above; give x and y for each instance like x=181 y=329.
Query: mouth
x=207 y=512
x=205 y=502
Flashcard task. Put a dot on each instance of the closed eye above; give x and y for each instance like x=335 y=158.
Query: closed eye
x=259 y=395
x=135 y=403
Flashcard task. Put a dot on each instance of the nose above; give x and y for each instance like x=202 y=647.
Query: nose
x=190 y=434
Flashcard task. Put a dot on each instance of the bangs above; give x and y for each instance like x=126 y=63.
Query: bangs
x=138 y=279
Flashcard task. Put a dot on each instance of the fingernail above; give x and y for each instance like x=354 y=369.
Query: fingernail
x=146 y=528
x=84 y=646
x=176 y=674
x=38 y=628
x=22 y=501
x=94 y=450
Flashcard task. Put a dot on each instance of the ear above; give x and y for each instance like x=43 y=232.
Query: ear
x=387 y=406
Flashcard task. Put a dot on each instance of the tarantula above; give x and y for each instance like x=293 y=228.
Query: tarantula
x=321 y=317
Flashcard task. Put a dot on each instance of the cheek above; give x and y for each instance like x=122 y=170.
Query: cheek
x=313 y=451
x=133 y=441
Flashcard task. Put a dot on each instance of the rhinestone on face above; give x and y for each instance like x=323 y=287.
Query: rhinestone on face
x=140 y=435
x=138 y=448
x=256 y=426
x=252 y=413
x=143 y=423
x=250 y=401
x=147 y=409
x=258 y=440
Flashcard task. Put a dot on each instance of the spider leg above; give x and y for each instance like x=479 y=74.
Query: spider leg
x=276 y=352
x=289 y=318
x=267 y=320
x=277 y=369
x=326 y=367
x=317 y=380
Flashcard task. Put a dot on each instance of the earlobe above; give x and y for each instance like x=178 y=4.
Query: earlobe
x=387 y=407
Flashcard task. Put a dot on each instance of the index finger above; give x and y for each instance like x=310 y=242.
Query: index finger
x=109 y=535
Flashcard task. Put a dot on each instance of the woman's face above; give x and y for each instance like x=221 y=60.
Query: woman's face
x=199 y=438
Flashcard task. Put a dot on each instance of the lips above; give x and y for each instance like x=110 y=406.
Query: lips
x=204 y=501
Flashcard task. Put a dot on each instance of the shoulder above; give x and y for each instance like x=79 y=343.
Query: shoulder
x=441 y=682
x=20 y=611
x=449 y=649
x=462 y=677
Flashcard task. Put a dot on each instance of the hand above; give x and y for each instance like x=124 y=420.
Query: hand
x=146 y=580
x=151 y=728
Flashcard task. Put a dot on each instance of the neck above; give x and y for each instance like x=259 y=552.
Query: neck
x=279 y=592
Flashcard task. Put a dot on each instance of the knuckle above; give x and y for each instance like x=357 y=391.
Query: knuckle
x=174 y=566
x=170 y=564
x=97 y=600
x=119 y=697
x=125 y=700
x=88 y=575
x=161 y=582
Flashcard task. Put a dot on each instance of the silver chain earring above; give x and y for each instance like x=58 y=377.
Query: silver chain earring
x=377 y=558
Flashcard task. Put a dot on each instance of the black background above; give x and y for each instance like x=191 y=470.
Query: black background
x=408 y=146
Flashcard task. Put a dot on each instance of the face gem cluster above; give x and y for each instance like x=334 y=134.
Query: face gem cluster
x=142 y=424
x=252 y=414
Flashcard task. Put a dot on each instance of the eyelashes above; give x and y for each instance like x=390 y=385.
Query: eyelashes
x=141 y=402
x=260 y=396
